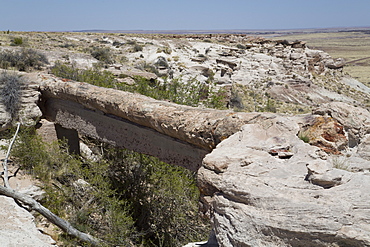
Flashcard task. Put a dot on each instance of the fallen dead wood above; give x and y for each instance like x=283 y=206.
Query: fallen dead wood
x=61 y=223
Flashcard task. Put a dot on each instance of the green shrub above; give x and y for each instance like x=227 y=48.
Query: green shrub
x=102 y=54
x=77 y=191
x=192 y=92
x=10 y=93
x=126 y=198
x=23 y=60
x=161 y=62
x=137 y=48
x=92 y=76
x=303 y=135
x=163 y=198
x=241 y=46
x=270 y=106
x=17 y=41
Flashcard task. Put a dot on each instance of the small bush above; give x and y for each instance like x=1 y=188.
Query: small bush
x=137 y=48
x=102 y=54
x=192 y=92
x=304 y=136
x=144 y=66
x=17 y=41
x=165 y=49
x=270 y=106
x=161 y=62
x=67 y=45
x=23 y=60
x=11 y=93
x=92 y=76
x=241 y=46
x=340 y=162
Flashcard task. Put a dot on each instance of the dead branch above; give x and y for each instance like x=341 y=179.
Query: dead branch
x=5 y=164
x=61 y=223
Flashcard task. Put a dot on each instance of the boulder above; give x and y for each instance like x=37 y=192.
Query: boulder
x=335 y=64
x=231 y=64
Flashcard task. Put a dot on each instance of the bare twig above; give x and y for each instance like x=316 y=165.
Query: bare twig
x=5 y=164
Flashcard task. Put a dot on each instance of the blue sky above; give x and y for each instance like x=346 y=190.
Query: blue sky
x=69 y=15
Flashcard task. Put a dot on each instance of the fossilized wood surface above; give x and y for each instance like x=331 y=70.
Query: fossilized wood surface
x=204 y=128
x=122 y=133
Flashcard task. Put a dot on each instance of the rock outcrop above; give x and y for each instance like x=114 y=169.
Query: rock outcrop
x=18 y=227
x=264 y=184
x=310 y=198
x=29 y=113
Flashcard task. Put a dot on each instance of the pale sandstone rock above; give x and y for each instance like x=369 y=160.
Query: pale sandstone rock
x=17 y=227
x=29 y=113
x=258 y=199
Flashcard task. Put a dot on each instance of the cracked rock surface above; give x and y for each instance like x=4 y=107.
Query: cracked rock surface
x=258 y=198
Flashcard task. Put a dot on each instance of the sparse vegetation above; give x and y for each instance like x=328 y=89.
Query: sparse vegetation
x=192 y=92
x=164 y=49
x=304 y=136
x=125 y=198
x=246 y=98
x=93 y=76
x=137 y=48
x=17 y=41
x=10 y=93
x=340 y=162
x=23 y=60
x=144 y=66
x=102 y=54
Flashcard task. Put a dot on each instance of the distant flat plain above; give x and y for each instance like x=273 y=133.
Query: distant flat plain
x=352 y=45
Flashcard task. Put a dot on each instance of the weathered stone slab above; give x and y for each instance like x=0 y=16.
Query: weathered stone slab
x=256 y=198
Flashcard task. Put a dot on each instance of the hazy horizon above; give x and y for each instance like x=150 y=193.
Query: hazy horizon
x=165 y=15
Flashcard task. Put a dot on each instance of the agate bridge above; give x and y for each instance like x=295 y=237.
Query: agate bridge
x=176 y=134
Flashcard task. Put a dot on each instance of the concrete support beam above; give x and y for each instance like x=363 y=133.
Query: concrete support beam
x=71 y=117
x=71 y=136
